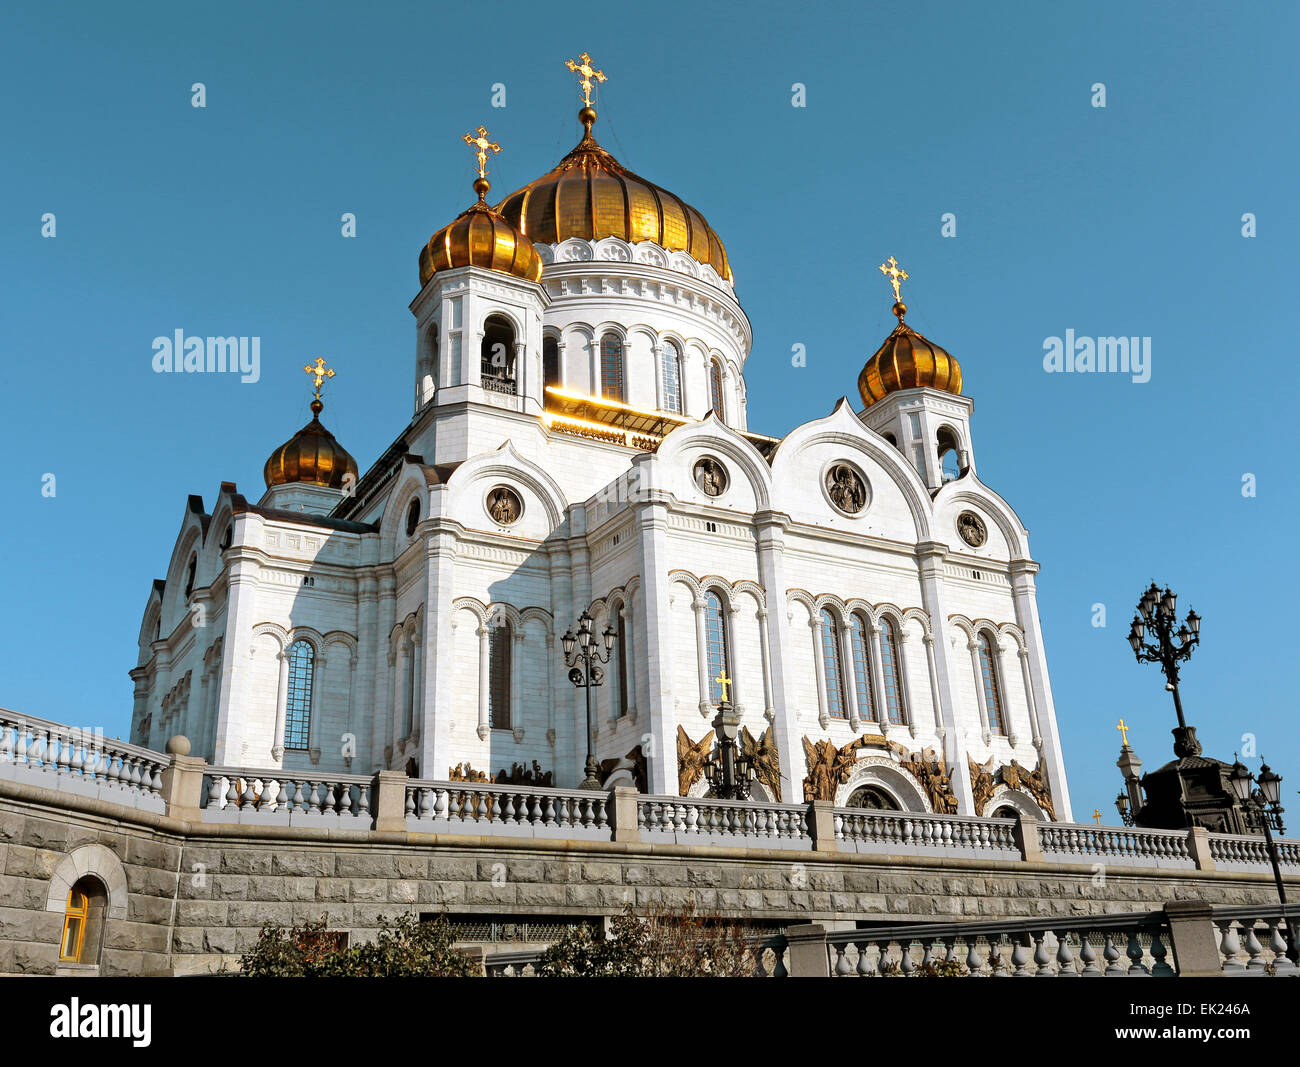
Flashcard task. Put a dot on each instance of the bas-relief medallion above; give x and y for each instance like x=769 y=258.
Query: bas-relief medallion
x=846 y=488
x=971 y=528
x=711 y=476
x=504 y=506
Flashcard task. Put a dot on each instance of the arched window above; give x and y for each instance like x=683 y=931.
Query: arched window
x=862 y=667
x=412 y=517
x=409 y=711
x=889 y=667
x=499 y=665
x=949 y=454
x=297 y=712
x=83 y=922
x=873 y=797
x=835 y=699
x=671 y=376
x=992 y=691
x=715 y=388
x=497 y=357
x=1006 y=813
x=189 y=576
x=719 y=651
x=611 y=368
x=621 y=644
x=550 y=361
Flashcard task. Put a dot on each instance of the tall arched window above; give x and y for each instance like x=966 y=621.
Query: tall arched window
x=497 y=356
x=861 y=652
x=611 y=368
x=83 y=922
x=715 y=388
x=719 y=652
x=189 y=576
x=992 y=690
x=671 y=375
x=499 y=665
x=835 y=699
x=620 y=643
x=889 y=666
x=297 y=712
x=550 y=361
x=408 y=712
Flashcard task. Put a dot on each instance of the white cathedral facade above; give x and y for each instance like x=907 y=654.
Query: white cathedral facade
x=579 y=441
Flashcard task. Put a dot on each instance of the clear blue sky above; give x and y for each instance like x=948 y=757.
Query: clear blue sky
x=1122 y=221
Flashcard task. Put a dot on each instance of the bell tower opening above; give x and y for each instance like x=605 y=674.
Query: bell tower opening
x=497 y=363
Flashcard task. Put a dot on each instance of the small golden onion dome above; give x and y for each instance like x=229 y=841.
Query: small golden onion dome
x=589 y=194
x=480 y=237
x=907 y=361
x=312 y=455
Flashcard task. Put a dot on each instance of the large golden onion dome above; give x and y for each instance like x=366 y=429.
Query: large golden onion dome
x=589 y=194
x=312 y=455
x=907 y=361
x=480 y=237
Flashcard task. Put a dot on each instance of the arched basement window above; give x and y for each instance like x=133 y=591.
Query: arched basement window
x=83 y=922
x=297 y=712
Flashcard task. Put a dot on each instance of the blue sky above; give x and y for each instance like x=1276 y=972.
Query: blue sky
x=1125 y=220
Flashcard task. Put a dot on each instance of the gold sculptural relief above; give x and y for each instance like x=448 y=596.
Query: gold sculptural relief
x=519 y=774
x=638 y=769
x=830 y=767
x=691 y=758
x=1013 y=776
x=766 y=759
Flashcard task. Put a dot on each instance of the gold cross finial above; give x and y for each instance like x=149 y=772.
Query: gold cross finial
x=1123 y=729
x=484 y=144
x=723 y=681
x=584 y=67
x=1096 y=814
x=320 y=373
x=895 y=274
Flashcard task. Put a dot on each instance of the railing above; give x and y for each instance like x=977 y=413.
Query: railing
x=507 y=810
x=693 y=821
x=1101 y=946
x=1075 y=843
x=1249 y=950
x=287 y=798
x=49 y=754
x=505 y=386
x=1235 y=852
x=862 y=830
x=771 y=952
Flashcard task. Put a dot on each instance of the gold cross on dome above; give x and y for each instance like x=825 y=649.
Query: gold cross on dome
x=484 y=144
x=895 y=274
x=588 y=72
x=723 y=681
x=320 y=373
x=1123 y=729
x=1096 y=814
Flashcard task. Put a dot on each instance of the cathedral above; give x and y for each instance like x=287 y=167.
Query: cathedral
x=578 y=448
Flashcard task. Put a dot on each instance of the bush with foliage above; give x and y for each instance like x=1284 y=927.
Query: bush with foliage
x=404 y=948
x=662 y=943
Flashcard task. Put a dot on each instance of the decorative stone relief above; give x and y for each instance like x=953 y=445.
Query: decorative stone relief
x=691 y=757
x=711 y=476
x=846 y=488
x=504 y=506
x=767 y=760
x=972 y=529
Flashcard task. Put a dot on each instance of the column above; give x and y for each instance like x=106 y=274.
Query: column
x=905 y=686
x=819 y=657
x=241 y=608
x=1008 y=725
x=363 y=680
x=314 y=724
x=417 y=676
x=1035 y=730
x=626 y=613
x=439 y=680
x=770 y=529
x=400 y=692
x=1022 y=588
x=484 y=632
x=973 y=644
x=516 y=676
x=281 y=706
x=847 y=678
x=702 y=656
x=769 y=707
x=872 y=638
x=385 y=739
x=928 y=638
x=653 y=617
x=930 y=556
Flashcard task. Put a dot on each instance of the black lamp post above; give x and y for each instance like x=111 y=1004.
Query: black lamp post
x=583 y=654
x=728 y=771
x=1157 y=613
x=1122 y=804
x=1265 y=806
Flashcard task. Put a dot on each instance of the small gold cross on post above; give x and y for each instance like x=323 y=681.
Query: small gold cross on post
x=584 y=67
x=1096 y=814
x=1123 y=729
x=320 y=373
x=895 y=274
x=723 y=682
x=484 y=144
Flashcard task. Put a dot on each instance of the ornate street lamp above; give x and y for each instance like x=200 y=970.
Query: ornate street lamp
x=1264 y=805
x=1122 y=804
x=1157 y=617
x=729 y=773
x=584 y=655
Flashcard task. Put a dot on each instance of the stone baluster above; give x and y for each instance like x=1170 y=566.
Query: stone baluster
x=1088 y=956
x=842 y=968
x=1019 y=957
x=1254 y=948
x=973 y=957
x=1135 y=953
x=1042 y=961
x=1111 y=954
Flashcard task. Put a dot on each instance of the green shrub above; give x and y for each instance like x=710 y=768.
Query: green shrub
x=404 y=948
